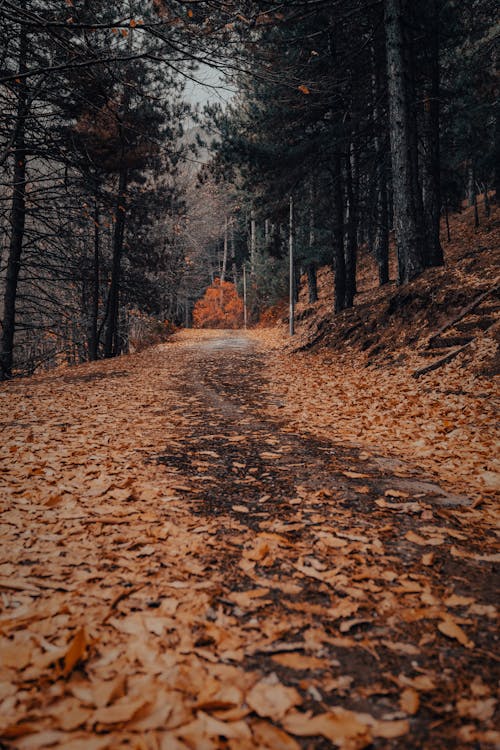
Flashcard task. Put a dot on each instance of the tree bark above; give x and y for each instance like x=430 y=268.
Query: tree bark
x=402 y=127
x=111 y=343
x=224 y=253
x=431 y=168
x=94 y=318
x=312 y=282
x=497 y=159
x=17 y=218
x=338 y=235
x=381 y=243
x=381 y=233
x=350 y=236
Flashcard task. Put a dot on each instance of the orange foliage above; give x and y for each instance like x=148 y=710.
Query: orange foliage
x=220 y=307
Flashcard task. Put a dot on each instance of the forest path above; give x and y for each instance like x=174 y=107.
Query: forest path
x=183 y=569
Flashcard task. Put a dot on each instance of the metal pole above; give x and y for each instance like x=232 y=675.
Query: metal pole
x=291 y=273
x=253 y=242
x=244 y=296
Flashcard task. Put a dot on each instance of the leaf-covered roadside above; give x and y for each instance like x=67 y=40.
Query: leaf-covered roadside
x=182 y=567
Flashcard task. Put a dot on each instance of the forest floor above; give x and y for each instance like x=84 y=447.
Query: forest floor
x=215 y=544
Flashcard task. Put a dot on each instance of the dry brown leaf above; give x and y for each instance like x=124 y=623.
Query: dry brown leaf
x=88 y=743
x=259 y=551
x=70 y=714
x=18 y=584
x=409 y=701
x=207 y=726
x=269 y=698
x=123 y=710
x=272 y=737
x=482 y=710
x=337 y=726
x=220 y=697
x=389 y=730
x=75 y=652
x=54 y=500
x=415 y=538
x=401 y=648
x=294 y=660
x=450 y=628
x=396 y=493
x=248 y=598
x=14 y=655
x=459 y=601
x=41 y=739
x=421 y=682
x=106 y=691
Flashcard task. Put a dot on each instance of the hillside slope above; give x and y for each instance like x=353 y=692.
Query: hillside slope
x=351 y=377
x=404 y=324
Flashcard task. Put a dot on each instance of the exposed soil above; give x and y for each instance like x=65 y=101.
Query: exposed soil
x=389 y=324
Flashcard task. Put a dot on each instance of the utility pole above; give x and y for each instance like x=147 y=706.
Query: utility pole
x=244 y=296
x=253 y=242
x=291 y=273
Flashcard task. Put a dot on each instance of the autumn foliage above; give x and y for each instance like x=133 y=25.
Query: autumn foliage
x=220 y=307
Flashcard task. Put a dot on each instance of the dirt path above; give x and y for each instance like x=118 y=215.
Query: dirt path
x=182 y=568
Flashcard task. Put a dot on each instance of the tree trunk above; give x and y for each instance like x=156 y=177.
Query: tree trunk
x=312 y=283
x=381 y=233
x=431 y=170
x=94 y=317
x=111 y=344
x=338 y=236
x=497 y=159
x=471 y=183
x=17 y=219
x=233 y=256
x=406 y=196
x=350 y=236
x=224 y=253
x=296 y=281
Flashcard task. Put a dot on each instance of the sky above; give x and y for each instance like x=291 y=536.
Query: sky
x=203 y=92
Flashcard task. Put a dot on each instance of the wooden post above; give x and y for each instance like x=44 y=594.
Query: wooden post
x=291 y=273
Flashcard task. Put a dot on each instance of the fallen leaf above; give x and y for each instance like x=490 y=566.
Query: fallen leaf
x=75 y=652
x=409 y=701
x=421 y=682
x=482 y=710
x=269 y=698
x=395 y=493
x=401 y=648
x=123 y=710
x=337 y=726
x=272 y=737
x=294 y=660
x=450 y=629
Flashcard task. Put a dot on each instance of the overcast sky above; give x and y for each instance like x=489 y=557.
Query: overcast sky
x=210 y=88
